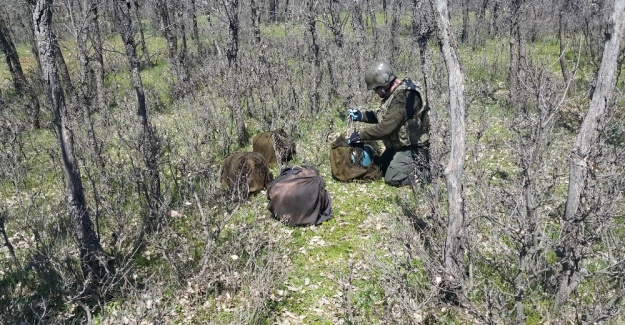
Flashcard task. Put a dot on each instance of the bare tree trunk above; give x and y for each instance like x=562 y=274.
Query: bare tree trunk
x=494 y=22
x=255 y=21
x=395 y=30
x=316 y=59
x=453 y=257
x=91 y=253
x=195 y=32
x=372 y=19
x=98 y=65
x=82 y=24
x=7 y=241
x=566 y=74
x=151 y=149
x=273 y=10
x=513 y=71
x=232 y=11
x=145 y=54
x=336 y=23
x=11 y=58
x=358 y=26
x=582 y=157
x=464 y=34
x=17 y=73
x=63 y=71
x=173 y=31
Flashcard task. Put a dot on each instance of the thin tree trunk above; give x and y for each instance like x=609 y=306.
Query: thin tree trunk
x=464 y=35
x=195 y=32
x=273 y=10
x=151 y=149
x=373 y=20
x=255 y=21
x=494 y=22
x=582 y=157
x=7 y=241
x=336 y=23
x=316 y=59
x=232 y=10
x=98 y=65
x=395 y=30
x=145 y=54
x=20 y=83
x=63 y=71
x=11 y=58
x=90 y=251
x=454 y=252
x=359 y=29
x=513 y=69
x=566 y=74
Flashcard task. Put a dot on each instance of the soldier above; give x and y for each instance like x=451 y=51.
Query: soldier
x=401 y=123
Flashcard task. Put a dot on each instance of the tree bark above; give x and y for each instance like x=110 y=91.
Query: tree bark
x=453 y=257
x=464 y=35
x=255 y=21
x=11 y=57
x=195 y=32
x=90 y=251
x=145 y=54
x=173 y=31
x=273 y=10
x=515 y=48
x=582 y=157
x=336 y=23
x=232 y=11
x=316 y=59
x=98 y=48
x=21 y=85
x=395 y=30
x=566 y=74
x=358 y=26
x=151 y=149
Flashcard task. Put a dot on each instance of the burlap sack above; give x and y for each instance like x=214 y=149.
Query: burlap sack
x=344 y=169
x=298 y=197
x=244 y=173
x=275 y=146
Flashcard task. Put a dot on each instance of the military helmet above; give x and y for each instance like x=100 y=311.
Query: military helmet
x=379 y=74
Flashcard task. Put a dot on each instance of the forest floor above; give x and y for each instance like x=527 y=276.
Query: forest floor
x=329 y=271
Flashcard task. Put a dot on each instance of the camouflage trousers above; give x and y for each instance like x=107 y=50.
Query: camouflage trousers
x=403 y=166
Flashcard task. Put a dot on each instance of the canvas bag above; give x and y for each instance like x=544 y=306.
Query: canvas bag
x=298 y=197
x=344 y=169
x=275 y=146
x=244 y=173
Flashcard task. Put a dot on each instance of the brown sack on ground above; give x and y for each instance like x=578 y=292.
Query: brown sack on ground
x=275 y=146
x=244 y=173
x=344 y=169
x=298 y=197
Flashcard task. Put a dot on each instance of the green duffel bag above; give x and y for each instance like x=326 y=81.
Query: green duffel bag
x=275 y=146
x=357 y=163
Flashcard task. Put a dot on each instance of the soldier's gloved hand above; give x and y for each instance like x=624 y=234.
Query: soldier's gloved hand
x=354 y=139
x=355 y=114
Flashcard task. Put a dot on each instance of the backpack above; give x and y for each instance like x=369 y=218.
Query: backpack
x=244 y=173
x=298 y=197
x=275 y=146
x=346 y=161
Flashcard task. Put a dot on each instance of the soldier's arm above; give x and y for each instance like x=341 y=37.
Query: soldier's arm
x=393 y=120
x=369 y=117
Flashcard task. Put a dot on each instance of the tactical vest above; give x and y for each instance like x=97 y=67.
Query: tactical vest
x=415 y=131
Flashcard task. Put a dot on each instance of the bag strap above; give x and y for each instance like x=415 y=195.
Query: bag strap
x=412 y=91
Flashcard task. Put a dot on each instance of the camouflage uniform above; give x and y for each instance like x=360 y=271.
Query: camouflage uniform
x=406 y=140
